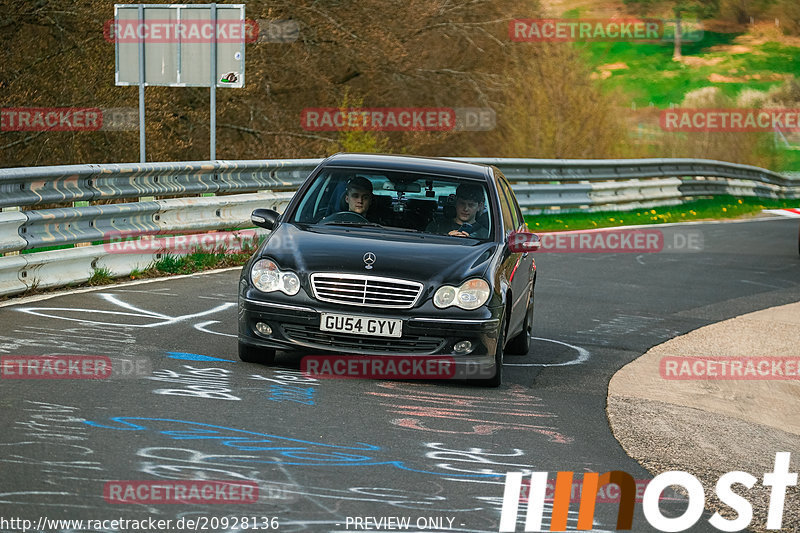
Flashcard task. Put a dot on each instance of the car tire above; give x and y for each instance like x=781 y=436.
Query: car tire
x=252 y=354
x=520 y=344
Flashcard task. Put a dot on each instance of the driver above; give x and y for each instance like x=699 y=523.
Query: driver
x=358 y=195
x=469 y=203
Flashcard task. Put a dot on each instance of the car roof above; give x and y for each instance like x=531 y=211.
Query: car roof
x=431 y=165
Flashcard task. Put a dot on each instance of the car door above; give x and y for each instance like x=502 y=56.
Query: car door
x=527 y=266
x=518 y=266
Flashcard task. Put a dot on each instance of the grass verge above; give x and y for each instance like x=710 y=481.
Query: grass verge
x=100 y=276
x=720 y=207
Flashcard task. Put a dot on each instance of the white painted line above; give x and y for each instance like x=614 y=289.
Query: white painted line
x=40 y=297
x=583 y=355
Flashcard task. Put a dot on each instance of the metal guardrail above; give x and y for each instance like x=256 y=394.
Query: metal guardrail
x=608 y=184
x=31 y=186
x=614 y=169
x=60 y=226
x=540 y=184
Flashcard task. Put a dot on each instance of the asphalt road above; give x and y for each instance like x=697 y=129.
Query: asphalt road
x=323 y=453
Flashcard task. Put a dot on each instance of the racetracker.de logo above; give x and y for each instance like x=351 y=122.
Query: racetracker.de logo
x=180 y=491
x=378 y=367
x=595 y=30
x=378 y=119
x=605 y=493
x=68 y=119
x=51 y=119
x=212 y=242
x=729 y=368
x=730 y=120
x=183 y=31
x=55 y=366
x=610 y=241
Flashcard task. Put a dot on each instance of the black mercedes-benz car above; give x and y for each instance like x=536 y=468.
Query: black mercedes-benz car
x=382 y=255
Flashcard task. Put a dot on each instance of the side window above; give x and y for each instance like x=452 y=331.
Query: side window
x=322 y=198
x=505 y=207
x=309 y=206
x=516 y=214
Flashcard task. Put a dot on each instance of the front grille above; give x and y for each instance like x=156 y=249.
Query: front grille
x=408 y=344
x=353 y=289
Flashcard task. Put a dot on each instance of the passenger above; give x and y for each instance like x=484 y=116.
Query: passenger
x=359 y=195
x=469 y=203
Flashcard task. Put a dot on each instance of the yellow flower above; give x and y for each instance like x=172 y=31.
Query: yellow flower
x=724 y=209
x=740 y=201
x=652 y=211
x=683 y=214
x=611 y=219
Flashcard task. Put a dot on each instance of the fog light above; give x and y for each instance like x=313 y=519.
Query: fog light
x=463 y=347
x=263 y=329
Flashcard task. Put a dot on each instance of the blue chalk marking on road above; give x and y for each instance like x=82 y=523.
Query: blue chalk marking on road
x=280 y=393
x=276 y=449
x=195 y=357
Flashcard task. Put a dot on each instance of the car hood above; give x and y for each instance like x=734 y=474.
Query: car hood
x=411 y=256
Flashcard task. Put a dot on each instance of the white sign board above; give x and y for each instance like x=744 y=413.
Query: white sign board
x=178 y=42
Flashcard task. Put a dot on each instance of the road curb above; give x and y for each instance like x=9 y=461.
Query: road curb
x=710 y=427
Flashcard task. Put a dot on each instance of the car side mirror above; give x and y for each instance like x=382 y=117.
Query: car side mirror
x=265 y=218
x=520 y=242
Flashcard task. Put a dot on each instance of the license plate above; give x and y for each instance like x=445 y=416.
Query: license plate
x=361 y=325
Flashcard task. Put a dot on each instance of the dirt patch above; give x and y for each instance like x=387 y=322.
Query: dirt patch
x=613 y=66
x=697 y=61
x=604 y=71
x=719 y=78
x=775 y=76
x=731 y=49
x=602 y=75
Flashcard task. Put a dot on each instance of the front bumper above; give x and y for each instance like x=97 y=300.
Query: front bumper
x=297 y=328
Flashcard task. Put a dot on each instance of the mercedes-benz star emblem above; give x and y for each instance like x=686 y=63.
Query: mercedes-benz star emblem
x=369 y=259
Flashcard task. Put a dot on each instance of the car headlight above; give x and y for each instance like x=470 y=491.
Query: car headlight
x=267 y=277
x=470 y=295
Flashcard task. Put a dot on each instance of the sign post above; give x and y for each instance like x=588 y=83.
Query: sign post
x=179 y=45
x=212 y=105
x=142 y=143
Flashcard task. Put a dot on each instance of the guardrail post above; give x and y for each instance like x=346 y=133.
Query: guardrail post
x=5 y=210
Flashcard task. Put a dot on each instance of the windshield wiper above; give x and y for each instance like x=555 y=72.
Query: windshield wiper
x=405 y=230
x=356 y=224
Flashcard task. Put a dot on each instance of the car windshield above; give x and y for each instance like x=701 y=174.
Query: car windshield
x=402 y=201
